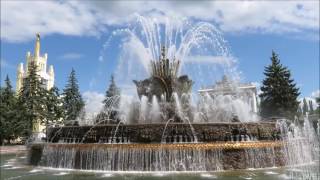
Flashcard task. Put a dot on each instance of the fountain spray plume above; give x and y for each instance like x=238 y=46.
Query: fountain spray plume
x=195 y=45
x=167 y=48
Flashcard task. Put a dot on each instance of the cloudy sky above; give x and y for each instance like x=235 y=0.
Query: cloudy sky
x=76 y=34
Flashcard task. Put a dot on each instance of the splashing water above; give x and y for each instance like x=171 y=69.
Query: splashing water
x=196 y=45
x=302 y=144
x=199 y=46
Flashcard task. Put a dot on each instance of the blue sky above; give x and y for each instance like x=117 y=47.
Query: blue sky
x=73 y=34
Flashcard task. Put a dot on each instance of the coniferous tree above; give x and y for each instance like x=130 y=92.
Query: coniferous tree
x=305 y=106
x=310 y=107
x=112 y=92
x=111 y=103
x=279 y=92
x=54 y=105
x=73 y=103
x=32 y=100
x=9 y=127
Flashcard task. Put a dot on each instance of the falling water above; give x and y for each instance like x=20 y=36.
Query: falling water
x=143 y=109
x=116 y=130
x=301 y=142
x=155 y=110
x=222 y=108
x=164 y=131
x=88 y=132
x=260 y=157
x=194 y=45
x=124 y=159
x=299 y=146
x=203 y=53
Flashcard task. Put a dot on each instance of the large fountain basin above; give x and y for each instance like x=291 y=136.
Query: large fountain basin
x=159 y=157
x=172 y=132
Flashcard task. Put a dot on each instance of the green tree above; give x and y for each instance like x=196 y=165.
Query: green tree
x=73 y=103
x=111 y=102
x=54 y=105
x=112 y=95
x=311 y=110
x=279 y=92
x=32 y=100
x=305 y=107
x=8 y=113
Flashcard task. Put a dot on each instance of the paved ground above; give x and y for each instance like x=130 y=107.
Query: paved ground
x=12 y=149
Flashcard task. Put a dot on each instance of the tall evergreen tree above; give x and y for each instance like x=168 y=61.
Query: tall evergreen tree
x=73 y=103
x=311 y=107
x=114 y=93
x=305 y=106
x=279 y=92
x=111 y=103
x=54 y=105
x=8 y=113
x=32 y=99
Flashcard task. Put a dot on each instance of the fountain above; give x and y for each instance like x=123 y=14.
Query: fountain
x=164 y=131
x=159 y=145
x=164 y=88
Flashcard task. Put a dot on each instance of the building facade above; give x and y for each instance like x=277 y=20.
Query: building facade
x=245 y=91
x=46 y=74
x=46 y=77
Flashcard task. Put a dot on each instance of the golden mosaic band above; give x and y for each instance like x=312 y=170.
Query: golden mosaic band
x=216 y=145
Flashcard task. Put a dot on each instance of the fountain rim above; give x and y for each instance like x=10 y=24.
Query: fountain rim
x=175 y=123
x=206 y=146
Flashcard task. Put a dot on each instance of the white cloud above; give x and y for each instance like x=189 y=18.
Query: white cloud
x=21 y=20
x=93 y=101
x=71 y=56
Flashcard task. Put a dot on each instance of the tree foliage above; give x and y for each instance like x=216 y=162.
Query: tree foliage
x=73 y=103
x=34 y=104
x=9 y=118
x=32 y=99
x=279 y=92
x=112 y=99
x=111 y=103
x=54 y=105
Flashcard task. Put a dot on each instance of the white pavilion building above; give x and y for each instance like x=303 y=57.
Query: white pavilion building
x=245 y=91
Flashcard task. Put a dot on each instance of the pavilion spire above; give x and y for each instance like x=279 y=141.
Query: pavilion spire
x=37 y=46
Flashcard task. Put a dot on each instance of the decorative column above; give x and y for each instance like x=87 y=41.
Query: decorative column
x=37 y=135
x=36 y=126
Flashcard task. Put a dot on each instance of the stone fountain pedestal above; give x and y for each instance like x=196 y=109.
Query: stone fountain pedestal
x=157 y=147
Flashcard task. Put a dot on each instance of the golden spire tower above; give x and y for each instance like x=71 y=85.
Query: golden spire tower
x=37 y=46
x=46 y=75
